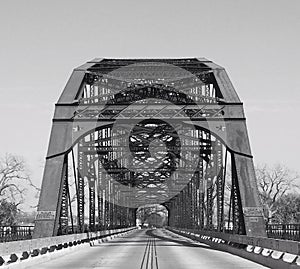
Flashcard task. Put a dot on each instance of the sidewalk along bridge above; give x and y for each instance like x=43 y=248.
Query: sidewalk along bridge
x=128 y=133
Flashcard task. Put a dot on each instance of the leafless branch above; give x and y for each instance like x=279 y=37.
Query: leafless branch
x=273 y=183
x=14 y=179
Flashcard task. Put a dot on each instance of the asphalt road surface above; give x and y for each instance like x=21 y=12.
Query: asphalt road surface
x=148 y=249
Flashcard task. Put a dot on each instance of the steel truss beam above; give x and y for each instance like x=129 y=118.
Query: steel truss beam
x=104 y=91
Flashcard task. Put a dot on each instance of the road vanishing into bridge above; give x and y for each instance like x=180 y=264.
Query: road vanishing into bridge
x=145 y=249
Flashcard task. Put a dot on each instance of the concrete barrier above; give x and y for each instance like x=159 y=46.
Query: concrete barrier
x=20 y=251
x=273 y=253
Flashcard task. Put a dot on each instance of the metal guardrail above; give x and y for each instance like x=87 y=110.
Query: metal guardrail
x=15 y=233
x=25 y=232
x=277 y=230
x=284 y=231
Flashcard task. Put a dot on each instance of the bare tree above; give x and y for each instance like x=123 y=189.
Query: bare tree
x=145 y=212
x=273 y=183
x=14 y=179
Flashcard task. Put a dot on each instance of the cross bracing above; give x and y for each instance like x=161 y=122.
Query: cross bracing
x=132 y=132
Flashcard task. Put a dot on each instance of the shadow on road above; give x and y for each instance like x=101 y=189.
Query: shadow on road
x=168 y=238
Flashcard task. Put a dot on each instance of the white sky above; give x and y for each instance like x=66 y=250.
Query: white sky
x=257 y=41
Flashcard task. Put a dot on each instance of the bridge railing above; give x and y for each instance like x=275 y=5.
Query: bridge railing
x=273 y=253
x=287 y=231
x=15 y=233
x=284 y=231
x=24 y=250
x=25 y=232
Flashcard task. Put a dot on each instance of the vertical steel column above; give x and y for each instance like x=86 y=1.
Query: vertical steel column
x=80 y=187
x=171 y=216
x=107 y=189
x=176 y=217
x=100 y=200
x=201 y=196
x=106 y=209
x=195 y=185
x=181 y=209
x=110 y=205
x=92 y=215
x=114 y=205
x=190 y=204
x=184 y=209
x=237 y=212
x=197 y=200
x=127 y=216
x=209 y=199
x=101 y=216
x=91 y=174
x=123 y=212
x=187 y=206
x=220 y=186
x=177 y=211
x=201 y=188
x=209 y=189
x=116 y=213
x=92 y=194
x=122 y=217
x=107 y=132
x=176 y=207
x=63 y=219
x=133 y=217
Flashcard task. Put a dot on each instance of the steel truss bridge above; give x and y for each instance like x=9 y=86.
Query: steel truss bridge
x=128 y=133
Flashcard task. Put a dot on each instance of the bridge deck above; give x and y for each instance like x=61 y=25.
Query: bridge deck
x=151 y=248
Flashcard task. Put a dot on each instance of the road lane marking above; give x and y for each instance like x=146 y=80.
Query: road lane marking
x=150 y=258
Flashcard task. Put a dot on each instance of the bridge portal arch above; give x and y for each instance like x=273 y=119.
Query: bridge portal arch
x=128 y=132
